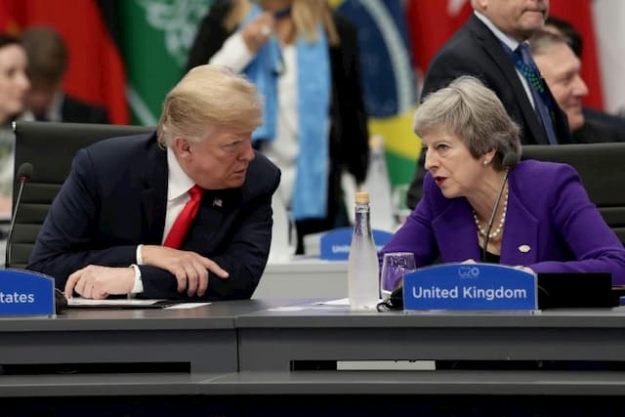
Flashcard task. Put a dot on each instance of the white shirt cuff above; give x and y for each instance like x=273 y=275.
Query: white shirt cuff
x=139 y=255
x=138 y=285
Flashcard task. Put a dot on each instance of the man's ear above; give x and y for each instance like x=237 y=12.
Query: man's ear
x=181 y=147
x=479 y=4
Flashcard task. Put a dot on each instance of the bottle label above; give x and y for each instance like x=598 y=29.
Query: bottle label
x=335 y=244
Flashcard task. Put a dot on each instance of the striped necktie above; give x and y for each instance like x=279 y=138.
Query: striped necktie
x=542 y=103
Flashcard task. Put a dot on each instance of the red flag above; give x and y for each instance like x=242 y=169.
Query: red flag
x=96 y=72
x=431 y=24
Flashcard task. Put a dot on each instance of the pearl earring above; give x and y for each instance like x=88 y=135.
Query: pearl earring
x=485 y=162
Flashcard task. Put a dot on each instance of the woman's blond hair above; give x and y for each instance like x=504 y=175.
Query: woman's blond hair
x=306 y=15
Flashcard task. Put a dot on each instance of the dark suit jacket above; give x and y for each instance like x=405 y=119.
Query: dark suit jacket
x=475 y=50
x=115 y=198
x=600 y=127
x=349 y=137
x=78 y=111
x=548 y=212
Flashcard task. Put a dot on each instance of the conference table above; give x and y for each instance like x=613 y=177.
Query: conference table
x=316 y=352
x=303 y=277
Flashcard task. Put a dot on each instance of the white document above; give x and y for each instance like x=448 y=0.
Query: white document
x=186 y=306
x=122 y=302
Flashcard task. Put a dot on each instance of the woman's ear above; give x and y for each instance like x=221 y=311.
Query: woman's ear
x=487 y=157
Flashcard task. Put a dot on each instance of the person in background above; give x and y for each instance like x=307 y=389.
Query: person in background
x=591 y=125
x=544 y=220
x=304 y=60
x=492 y=46
x=14 y=85
x=182 y=213
x=48 y=60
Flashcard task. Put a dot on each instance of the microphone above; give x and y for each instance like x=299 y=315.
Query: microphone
x=24 y=174
x=509 y=160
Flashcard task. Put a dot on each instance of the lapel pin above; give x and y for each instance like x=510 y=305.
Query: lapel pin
x=218 y=202
x=524 y=248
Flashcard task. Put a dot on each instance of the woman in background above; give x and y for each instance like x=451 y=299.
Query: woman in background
x=544 y=221
x=304 y=61
x=14 y=85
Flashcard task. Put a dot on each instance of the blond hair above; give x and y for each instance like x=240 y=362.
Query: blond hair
x=209 y=97
x=306 y=15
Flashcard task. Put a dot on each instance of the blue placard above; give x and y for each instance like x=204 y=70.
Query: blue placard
x=470 y=287
x=335 y=244
x=26 y=293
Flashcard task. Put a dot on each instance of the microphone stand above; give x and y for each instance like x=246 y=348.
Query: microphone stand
x=491 y=220
x=24 y=177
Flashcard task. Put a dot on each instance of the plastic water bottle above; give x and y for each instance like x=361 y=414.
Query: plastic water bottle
x=362 y=272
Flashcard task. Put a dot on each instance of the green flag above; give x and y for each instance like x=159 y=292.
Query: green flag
x=156 y=38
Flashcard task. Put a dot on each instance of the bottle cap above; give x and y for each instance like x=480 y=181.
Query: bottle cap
x=362 y=197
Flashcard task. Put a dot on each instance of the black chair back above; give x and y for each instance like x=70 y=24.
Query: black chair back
x=50 y=148
x=602 y=169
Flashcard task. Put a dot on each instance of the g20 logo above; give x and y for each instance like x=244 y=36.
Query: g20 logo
x=468 y=271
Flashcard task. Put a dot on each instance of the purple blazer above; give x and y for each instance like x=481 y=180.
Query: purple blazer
x=549 y=213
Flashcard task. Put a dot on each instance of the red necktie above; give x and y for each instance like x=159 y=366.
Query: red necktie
x=183 y=222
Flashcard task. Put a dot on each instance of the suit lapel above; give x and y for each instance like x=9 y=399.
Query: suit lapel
x=520 y=239
x=215 y=207
x=456 y=233
x=493 y=48
x=154 y=195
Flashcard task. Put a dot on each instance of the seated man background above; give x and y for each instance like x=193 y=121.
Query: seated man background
x=561 y=68
x=47 y=65
x=182 y=213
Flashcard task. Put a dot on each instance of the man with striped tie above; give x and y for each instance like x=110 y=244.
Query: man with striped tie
x=492 y=46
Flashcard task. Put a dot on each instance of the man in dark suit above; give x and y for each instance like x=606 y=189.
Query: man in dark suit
x=47 y=64
x=183 y=213
x=561 y=68
x=485 y=47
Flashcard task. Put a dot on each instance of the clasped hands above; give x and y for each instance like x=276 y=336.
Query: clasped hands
x=190 y=269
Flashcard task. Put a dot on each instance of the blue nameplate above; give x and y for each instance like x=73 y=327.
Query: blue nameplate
x=470 y=287
x=25 y=293
x=335 y=244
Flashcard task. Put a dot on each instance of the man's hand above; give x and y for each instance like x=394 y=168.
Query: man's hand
x=190 y=269
x=98 y=282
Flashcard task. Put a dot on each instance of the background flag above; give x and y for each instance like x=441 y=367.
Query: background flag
x=388 y=81
x=156 y=38
x=96 y=72
x=609 y=18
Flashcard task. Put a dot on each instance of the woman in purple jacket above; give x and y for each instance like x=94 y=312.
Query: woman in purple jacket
x=544 y=220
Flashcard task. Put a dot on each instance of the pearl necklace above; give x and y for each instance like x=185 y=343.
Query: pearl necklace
x=499 y=228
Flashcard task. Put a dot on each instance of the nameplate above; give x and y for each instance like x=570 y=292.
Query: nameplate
x=470 y=287
x=335 y=244
x=25 y=293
